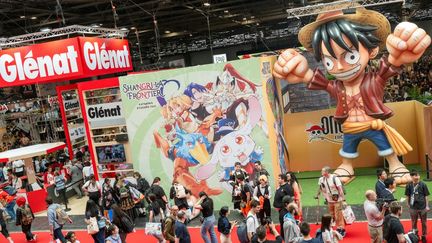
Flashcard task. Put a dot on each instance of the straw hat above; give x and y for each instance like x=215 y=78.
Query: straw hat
x=361 y=15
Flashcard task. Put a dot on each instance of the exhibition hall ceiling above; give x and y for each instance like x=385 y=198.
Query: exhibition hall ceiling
x=180 y=23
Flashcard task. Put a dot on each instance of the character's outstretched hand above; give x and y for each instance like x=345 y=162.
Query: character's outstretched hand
x=407 y=43
x=293 y=67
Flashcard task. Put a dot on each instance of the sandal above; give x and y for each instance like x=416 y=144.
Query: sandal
x=351 y=177
x=396 y=174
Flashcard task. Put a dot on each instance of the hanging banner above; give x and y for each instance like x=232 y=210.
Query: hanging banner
x=71 y=104
x=107 y=114
x=192 y=125
x=66 y=59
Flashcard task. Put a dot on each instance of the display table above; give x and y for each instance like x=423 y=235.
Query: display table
x=35 y=198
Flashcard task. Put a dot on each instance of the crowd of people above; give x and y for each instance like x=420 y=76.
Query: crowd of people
x=113 y=206
x=400 y=87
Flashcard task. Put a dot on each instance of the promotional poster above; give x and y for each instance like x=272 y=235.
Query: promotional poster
x=191 y=125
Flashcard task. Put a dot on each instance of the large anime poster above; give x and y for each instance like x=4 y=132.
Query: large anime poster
x=191 y=125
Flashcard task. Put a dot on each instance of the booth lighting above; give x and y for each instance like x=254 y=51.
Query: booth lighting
x=46 y=29
x=319 y=8
x=33 y=17
x=123 y=28
x=133 y=28
x=22 y=17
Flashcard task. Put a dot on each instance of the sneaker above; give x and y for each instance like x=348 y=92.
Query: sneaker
x=342 y=232
x=423 y=239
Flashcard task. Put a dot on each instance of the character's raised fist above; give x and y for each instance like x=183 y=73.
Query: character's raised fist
x=407 y=43
x=293 y=67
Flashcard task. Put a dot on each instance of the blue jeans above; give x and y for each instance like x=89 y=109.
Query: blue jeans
x=59 y=235
x=208 y=225
x=99 y=237
x=377 y=137
x=10 y=210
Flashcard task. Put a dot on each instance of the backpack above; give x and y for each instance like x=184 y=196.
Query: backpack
x=143 y=185
x=242 y=232
x=318 y=236
x=61 y=216
x=343 y=187
x=26 y=215
x=179 y=191
x=163 y=225
x=128 y=224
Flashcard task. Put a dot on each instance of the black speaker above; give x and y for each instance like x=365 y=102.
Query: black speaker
x=122 y=138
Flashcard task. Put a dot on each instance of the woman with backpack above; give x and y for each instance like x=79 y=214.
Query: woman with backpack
x=24 y=217
x=126 y=202
x=178 y=193
x=109 y=198
x=156 y=214
x=123 y=222
x=92 y=211
x=225 y=227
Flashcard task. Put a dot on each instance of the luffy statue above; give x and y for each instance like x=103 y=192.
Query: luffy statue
x=345 y=41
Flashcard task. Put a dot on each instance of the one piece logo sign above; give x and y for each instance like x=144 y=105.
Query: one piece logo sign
x=327 y=130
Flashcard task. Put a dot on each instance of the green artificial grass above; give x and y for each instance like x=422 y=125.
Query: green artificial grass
x=355 y=190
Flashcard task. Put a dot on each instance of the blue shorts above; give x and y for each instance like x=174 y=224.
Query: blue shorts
x=351 y=142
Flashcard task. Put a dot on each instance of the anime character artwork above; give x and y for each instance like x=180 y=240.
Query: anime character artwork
x=208 y=125
x=345 y=41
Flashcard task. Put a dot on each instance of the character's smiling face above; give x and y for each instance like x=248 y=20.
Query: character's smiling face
x=348 y=65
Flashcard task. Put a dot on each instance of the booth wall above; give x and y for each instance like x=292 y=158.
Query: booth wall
x=144 y=96
x=308 y=152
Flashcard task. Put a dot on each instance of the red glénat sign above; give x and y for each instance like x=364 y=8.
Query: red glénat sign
x=67 y=59
x=105 y=54
x=40 y=62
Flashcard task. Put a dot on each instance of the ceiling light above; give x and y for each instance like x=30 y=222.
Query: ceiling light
x=244 y=19
x=133 y=28
x=94 y=26
x=167 y=31
x=252 y=17
x=45 y=29
x=206 y=3
x=34 y=17
x=226 y=11
x=124 y=29
x=22 y=17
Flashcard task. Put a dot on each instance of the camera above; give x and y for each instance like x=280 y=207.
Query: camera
x=267 y=221
x=380 y=202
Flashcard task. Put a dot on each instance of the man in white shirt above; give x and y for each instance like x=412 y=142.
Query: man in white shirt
x=331 y=188
x=374 y=216
x=252 y=222
x=18 y=167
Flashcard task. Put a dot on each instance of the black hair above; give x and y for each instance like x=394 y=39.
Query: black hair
x=261 y=232
x=202 y=193
x=326 y=220
x=240 y=177
x=69 y=235
x=156 y=180
x=283 y=177
x=237 y=163
x=258 y=162
x=223 y=211
x=414 y=173
x=379 y=172
x=92 y=209
x=334 y=30
x=293 y=178
x=304 y=228
x=287 y=200
x=49 y=200
x=388 y=182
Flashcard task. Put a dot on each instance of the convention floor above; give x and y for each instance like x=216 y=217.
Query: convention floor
x=355 y=233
